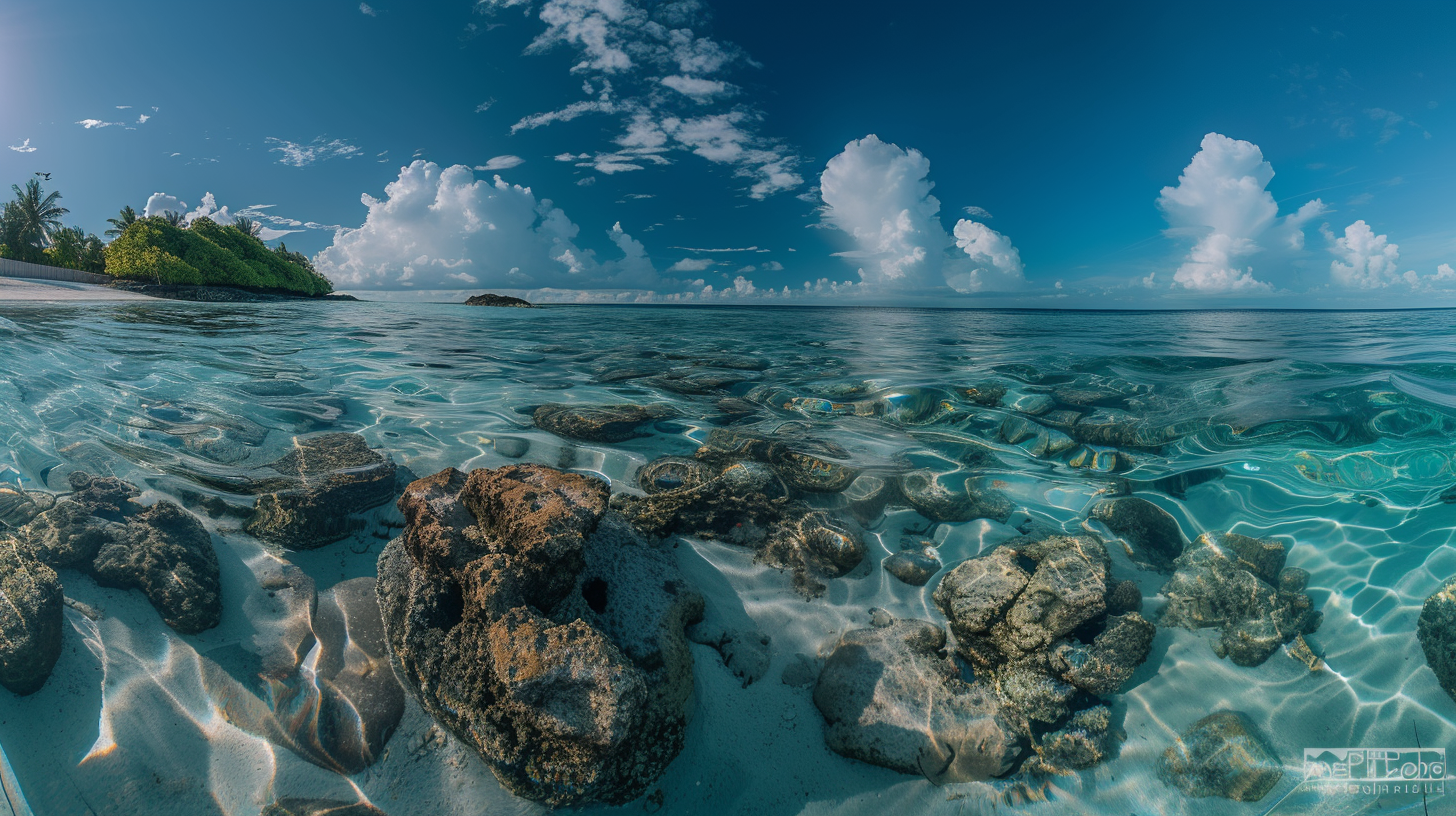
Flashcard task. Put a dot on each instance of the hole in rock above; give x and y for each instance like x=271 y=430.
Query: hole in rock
x=451 y=606
x=595 y=593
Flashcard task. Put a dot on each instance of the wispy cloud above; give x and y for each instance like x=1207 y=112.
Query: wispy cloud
x=90 y=124
x=367 y=10
x=649 y=67
x=485 y=106
x=23 y=147
x=301 y=155
x=501 y=163
x=720 y=249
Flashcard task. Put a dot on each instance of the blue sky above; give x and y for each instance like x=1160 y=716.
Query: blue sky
x=1306 y=148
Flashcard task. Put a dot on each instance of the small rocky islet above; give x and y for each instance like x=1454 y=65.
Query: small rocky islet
x=539 y=614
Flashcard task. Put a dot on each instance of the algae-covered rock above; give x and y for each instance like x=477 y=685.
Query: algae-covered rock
x=30 y=618
x=954 y=497
x=1221 y=755
x=541 y=630
x=162 y=550
x=914 y=567
x=166 y=553
x=1233 y=582
x=326 y=478
x=1149 y=528
x=597 y=423
x=1436 y=631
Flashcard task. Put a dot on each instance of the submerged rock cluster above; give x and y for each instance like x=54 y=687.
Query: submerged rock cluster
x=98 y=529
x=1240 y=585
x=541 y=630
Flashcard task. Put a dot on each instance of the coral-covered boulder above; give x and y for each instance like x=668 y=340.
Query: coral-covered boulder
x=1151 y=530
x=541 y=630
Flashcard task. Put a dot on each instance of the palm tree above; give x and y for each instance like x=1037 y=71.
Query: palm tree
x=37 y=213
x=120 y=223
x=175 y=218
x=248 y=226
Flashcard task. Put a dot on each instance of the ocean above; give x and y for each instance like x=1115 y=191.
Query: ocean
x=1328 y=432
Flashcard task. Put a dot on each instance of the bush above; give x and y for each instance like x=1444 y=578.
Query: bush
x=205 y=254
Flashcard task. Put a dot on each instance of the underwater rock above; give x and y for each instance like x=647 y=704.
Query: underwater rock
x=511 y=447
x=1089 y=397
x=987 y=394
x=321 y=807
x=803 y=463
x=1148 y=527
x=890 y=699
x=746 y=654
x=673 y=473
x=914 y=567
x=1124 y=597
x=1436 y=631
x=1099 y=459
x=162 y=550
x=30 y=618
x=1239 y=584
x=337 y=713
x=1086 y=739
x=953 y=497
x=329 y=477
x=166 y=553
x=1112 y=658
x=747 y=504
x=18 y=508
x=696 y=383
x=541 y=630
x=812 y=546
x=868 y=495
x=1033 y=437
x=597 y=423
x=1221 y=755
x=1031 y=618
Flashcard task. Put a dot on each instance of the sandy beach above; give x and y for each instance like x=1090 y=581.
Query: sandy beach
x=30 y=289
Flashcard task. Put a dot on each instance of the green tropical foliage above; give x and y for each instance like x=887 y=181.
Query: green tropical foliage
x=121 y=222
x=176 y=219
x=248 y=226
x=28 y=222
x=206 y=254
x=72 y=248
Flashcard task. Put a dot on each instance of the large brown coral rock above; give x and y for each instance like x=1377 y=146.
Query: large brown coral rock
x=541 y=630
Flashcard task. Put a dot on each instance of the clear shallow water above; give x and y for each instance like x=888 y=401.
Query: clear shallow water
x=1329 y=431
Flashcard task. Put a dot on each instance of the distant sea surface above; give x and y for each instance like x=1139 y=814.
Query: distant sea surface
x=1331 y=432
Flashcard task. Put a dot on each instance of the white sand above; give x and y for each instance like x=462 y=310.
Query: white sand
x=32 y=289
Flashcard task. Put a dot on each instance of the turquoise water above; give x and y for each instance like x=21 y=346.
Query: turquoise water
x=1329 y=431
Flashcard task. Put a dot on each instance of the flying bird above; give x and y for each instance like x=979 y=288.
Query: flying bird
x=46 y=176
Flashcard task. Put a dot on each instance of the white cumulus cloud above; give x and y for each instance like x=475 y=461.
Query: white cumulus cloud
x=879 y=193
x=1366 y=260
x=1222 y=202
x=436 y=225
x=23 y=147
